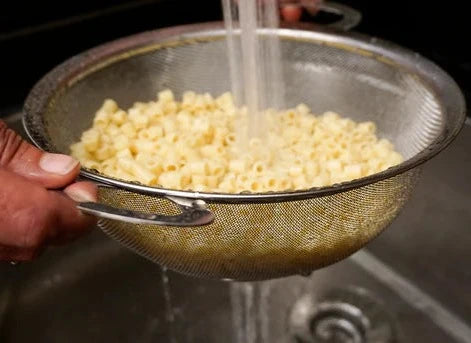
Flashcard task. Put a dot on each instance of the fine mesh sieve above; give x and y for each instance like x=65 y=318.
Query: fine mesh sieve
x=254 y=236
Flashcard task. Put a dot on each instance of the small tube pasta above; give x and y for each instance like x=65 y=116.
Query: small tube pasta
x=196 y=144
x=171 y=179
x=91 y=140
x=143 y=175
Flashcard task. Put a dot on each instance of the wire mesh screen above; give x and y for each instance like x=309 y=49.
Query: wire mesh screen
x=255 y=240
x=327 y=78
x=263 y=240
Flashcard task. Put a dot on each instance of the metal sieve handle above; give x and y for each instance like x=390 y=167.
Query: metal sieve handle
x=194 y=213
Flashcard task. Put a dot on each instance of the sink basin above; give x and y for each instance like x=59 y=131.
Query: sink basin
x=94 y=290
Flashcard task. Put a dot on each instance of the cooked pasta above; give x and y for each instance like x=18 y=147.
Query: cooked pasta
x=193 y=145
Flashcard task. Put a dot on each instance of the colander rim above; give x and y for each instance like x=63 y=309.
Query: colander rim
x=441 y=83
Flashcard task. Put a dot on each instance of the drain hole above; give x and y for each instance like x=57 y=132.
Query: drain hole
x=338 y=330
x=341 y=316
x=339 y=323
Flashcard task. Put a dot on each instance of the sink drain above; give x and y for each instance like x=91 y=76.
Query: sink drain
x=348 y=315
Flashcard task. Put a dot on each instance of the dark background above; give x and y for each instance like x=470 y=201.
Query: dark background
x=37 y=35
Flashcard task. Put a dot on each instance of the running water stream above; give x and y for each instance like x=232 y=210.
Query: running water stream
x=255 y=58
x=169 y=312
x=256 y=73
x=250 y=314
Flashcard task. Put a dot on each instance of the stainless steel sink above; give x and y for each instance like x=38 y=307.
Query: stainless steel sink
x=413 y=284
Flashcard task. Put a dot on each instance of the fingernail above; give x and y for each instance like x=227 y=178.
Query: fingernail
x=57 y=164
x=80 y=195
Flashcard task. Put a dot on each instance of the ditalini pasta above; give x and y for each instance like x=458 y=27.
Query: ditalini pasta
x=193 y=145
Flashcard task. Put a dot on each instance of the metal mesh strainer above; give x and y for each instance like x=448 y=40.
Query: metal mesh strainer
x=254 y=236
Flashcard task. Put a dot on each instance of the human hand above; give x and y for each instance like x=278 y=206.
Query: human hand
x=33 y=213
x=292 y=10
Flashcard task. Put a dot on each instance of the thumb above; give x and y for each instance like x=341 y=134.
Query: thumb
x=19 y=157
